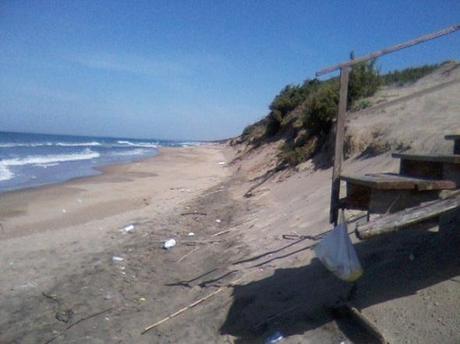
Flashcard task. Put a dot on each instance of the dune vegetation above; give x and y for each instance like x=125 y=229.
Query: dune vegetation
x=302 y=115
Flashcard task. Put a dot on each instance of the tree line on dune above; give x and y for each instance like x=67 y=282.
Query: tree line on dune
x=303 y=115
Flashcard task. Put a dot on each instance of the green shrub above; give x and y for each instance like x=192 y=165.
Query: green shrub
x=364 y=81
x=361 y=105
x=408 y=75
x=303 y=114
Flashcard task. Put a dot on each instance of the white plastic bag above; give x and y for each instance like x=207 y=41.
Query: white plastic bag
x=337 y=253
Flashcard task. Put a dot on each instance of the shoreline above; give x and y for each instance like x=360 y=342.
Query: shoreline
x=13 y=203
x=98 y=170
x=101 y=170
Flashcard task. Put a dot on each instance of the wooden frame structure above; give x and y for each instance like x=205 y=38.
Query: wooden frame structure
x=345 y=69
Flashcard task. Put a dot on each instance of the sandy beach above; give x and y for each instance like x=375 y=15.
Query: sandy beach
x=57 y=244
x=70 y=273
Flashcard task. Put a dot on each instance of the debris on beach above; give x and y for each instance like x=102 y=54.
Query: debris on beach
x=128 y=229
x=191 y=234
x=170 y=243
x=194 y=213
x=64 y=211
x=221 y=162
x=275 y=338
x=337 y=253
x=116 y=259
x=218 y=220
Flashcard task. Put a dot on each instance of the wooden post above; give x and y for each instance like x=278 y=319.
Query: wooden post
x=340 y=125
x=339 y=137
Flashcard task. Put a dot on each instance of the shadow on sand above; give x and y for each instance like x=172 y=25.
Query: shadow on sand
x=297 y=300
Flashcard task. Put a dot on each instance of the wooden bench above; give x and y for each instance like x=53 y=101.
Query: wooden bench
x=383 y=192
x=434 y=166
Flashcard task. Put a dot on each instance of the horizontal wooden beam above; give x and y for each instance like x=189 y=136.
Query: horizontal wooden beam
x=389 y=50
x=406 y=218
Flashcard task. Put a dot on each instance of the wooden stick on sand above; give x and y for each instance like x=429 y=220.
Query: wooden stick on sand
x=187 y=254
x=182 y=310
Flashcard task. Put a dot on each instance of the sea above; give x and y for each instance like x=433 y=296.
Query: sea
x=30 y=160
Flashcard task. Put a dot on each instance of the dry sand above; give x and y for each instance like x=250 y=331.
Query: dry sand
x=56 y=281
x=57 y=244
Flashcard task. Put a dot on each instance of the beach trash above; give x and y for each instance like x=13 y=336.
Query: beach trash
x=170 y=243
x=128 y=228
x=221 y=162
x=274 y=338
x=337 y=253
x=218 y=220
x=191 y=234
x=116 y=259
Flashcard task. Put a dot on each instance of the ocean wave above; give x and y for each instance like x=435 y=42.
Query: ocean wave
x=137 y=151
x=5 y=173
x=78 y=144
x=51 y=164
x=14 y=144
x=138 y=144
x=190 y=144
x=87 y=154
x=41 y=144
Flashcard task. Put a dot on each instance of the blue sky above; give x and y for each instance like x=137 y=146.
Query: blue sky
x=189 y=69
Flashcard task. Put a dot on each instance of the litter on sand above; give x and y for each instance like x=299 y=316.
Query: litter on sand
x=170 y=243
x=117 y=259
x=221 y=162
x=191 y=234
x=128 y=228
x=275 y=338
x=337 y=253
x=218 y=220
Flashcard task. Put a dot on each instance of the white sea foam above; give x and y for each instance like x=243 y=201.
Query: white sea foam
x=138 y=144
x=137 y=151
x=5 y=173
x=87 y=154
x=190 y=144
x=40 y=144
x=78 y=144
x=15 y=144
x=48 y=165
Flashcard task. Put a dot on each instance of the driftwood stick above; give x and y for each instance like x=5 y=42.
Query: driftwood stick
x=184 y=309
x=197 y=242
x=187 y=254
x=222 y=232
x=89 y=317
x=194 y=213
x=79 y=321
x=51 y=297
